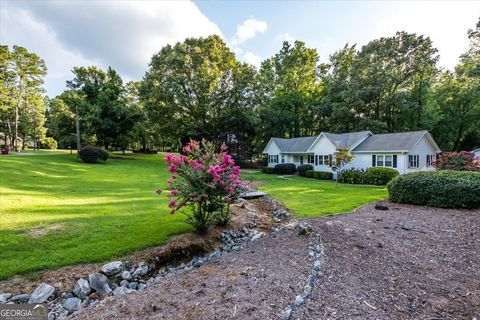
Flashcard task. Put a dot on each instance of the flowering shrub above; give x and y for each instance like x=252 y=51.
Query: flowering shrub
x=459 y=161
x=205 y=181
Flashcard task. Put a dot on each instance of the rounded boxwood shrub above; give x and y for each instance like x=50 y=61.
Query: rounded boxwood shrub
x=91 y=154
x=353 y=176
x=302 y=169
x=284 y=168
x=444 y=189
x=309 y=173
x=267 y=170
x=322 y=175
x=380 y=176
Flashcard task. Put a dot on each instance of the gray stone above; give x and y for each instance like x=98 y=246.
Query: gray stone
x=123 y=283
x=214 y=255
x=112 y=268
x=4 y=297
x=132 y=285
x=316 y=265
x=121 y=291
x=20 y=298
x=98 y=282
x=82 y=288
x=58 y=312
x=252 y=195
x=41 y=293
x=141 y=286
x=126 y=275
x=257 y=236
x=299 y=300
x=72 y=304
x=140 y=271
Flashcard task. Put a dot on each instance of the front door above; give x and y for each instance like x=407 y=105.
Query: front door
x=301 y=160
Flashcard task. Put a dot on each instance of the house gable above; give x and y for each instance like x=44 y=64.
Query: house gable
x=271 y=147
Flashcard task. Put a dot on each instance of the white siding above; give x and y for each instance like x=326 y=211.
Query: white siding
x=422 y=148
x=273 y=149
x=364 y=161
x=323 y=147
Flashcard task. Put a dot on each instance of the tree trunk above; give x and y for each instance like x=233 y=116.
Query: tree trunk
x=77 y=126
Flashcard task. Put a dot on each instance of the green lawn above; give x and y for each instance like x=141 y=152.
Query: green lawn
x=57 y=211
x=310 y=197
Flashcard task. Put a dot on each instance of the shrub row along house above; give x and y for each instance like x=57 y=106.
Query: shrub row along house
x=403 y=151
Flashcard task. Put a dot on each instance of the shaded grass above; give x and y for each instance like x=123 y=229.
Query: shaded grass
x=105 y=210
x=310 y=197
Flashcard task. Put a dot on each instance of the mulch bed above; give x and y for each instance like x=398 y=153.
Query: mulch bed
x=406 y=262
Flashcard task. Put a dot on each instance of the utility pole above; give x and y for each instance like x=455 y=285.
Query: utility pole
x=77 y=125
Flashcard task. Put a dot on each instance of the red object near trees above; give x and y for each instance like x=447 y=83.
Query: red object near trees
x=460 y=161
x=5 y=151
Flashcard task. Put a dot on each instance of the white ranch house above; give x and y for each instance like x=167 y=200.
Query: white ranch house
x=403 y=151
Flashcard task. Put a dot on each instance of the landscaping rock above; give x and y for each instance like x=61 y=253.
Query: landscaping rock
x=58 y=312
x=41 y=293
x=72 y=304
x=121 y=291
x=112 y=268
x=20 y=298
x=4 y=297
x=132 y=285
x=126 y=275
x=82 y=288
x=380 y=207
x=98 y=282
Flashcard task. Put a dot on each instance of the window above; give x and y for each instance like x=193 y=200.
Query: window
x=384 y=160
x=388 y=161
x=311 y=159
x=380 y=160
x=273 y=158
x=430 y=160
x=276 y=158
x=301 y=159
x=283 y=159
x=413 y=160
x=321 y=160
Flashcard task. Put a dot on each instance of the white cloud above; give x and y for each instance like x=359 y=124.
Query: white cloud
x=237 y=50
x=284 y=37
x=445 y=22
x=253 y=59
x=122 y=34
x=248 y=30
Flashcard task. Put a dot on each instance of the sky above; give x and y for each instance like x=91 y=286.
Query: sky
x=125 y=34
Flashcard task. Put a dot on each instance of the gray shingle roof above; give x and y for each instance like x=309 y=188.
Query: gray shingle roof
x=345 y=140
x=401 y=141
x=294 y=144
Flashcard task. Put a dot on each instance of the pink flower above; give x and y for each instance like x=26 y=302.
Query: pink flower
x=174 y=192
x=172 y=204
x=227 y=160
x=172 y=168
x=195 y=165
x=169 y=158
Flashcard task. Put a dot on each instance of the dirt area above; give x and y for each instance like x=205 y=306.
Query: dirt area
x=177 y=249
x=407 y=262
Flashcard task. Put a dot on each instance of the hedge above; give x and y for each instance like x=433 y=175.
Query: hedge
x=374 y=175
x=91 y=154
x=309 y=173
x=302 y=169
x=284 y=168
x=444 y=189
x=322 y=175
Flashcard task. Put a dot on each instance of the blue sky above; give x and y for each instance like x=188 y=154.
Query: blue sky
x=125 y=34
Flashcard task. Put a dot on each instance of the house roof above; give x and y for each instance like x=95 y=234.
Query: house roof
x=345 y=140
x=294 y=144
x=400 y=141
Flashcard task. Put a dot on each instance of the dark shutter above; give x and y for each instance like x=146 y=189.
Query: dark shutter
x=316 y=160
x=394 y=160
x=330 y=162
x=374 y=160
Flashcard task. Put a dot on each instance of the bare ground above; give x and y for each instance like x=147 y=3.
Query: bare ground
x=407 y=262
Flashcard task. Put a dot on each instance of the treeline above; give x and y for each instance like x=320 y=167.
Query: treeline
x=198 y=89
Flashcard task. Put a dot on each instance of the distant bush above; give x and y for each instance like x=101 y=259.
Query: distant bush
x=48 y=143
x=352 y=176
x=267 y=170
x=460 y=161
x=322 y=175
x=284 y=168
x=302 y=169
x=444 y=189
x=309 y=173
x=380 y=176
x=91 y=154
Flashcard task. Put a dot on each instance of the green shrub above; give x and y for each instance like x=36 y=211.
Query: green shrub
x=303 y=168
x=380 y=176
x=322 y=175
x=353 y=176
x=284 y=168
x=91 y=154
x=444 y=189
x=267 y=170
x=49 y=143
x=309 y=173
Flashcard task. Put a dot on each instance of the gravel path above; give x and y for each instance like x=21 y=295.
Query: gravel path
x=404 y=263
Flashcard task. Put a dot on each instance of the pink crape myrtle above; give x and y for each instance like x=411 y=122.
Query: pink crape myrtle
x=205 y=181
x=460 y=161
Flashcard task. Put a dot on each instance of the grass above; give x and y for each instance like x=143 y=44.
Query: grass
x=57 y=211
x=308 y=197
